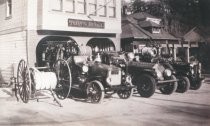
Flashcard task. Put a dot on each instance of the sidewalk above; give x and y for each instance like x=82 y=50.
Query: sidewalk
x=6 y=93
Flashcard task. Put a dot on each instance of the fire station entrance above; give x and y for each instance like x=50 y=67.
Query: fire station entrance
x=103 y=44
x=50 y=48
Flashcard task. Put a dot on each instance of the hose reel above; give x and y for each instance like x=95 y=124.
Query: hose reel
x=30 y=80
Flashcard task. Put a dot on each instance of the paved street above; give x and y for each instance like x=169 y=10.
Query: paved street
x=189 y=109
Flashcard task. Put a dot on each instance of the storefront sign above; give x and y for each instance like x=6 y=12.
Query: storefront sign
x=85 y=24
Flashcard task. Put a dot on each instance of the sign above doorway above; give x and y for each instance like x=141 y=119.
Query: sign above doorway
x=85 y=24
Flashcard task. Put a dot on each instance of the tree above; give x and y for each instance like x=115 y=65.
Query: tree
x=178 y=16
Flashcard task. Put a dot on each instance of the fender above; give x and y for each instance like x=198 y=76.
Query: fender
x=140 y=71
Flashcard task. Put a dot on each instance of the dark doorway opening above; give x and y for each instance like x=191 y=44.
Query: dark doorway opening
x=48 y=48
x=103 y=44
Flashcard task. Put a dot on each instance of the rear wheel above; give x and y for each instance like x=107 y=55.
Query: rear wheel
x=95 y=92
x=183 y=85
x=127 y=92
x=23 y=81
x=169 y=88
x=146 y=85
x=195 y=85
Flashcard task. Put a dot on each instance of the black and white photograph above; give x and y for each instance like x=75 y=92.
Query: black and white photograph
x=104 y=62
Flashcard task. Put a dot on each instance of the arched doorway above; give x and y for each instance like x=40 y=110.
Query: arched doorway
x=103 y=44
x=50 y=47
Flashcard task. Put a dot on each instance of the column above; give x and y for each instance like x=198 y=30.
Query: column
x=174 y=53
x=188 y=54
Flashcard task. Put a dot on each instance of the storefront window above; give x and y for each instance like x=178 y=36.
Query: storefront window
x=69 y=6
x=8 y=8
x=102 y=8
x=57 y=5
x=81 y=7
x=112 y=8
x=92 y=7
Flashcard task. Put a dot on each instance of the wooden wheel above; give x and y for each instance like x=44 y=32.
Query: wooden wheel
x=127 y=92
x=64 y=80
x=95 y=91
x=23 y=81
x=169 y=88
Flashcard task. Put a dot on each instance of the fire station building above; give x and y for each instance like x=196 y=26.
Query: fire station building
x=26 y=24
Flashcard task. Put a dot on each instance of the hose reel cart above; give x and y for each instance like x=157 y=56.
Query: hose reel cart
x=32 y=80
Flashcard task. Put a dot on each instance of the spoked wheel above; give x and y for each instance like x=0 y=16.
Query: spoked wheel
x=146 y=85
x=95 y=91
x=64 y=80
x=183 y=85
x=169 y=88
x=127 y=92
x=23 y=81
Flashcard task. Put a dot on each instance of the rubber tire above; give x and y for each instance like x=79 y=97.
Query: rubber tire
x=151 y=85
x=100 y=87
x=130 y=92
x=196 y=86
x=183 y=86
x=169 y=88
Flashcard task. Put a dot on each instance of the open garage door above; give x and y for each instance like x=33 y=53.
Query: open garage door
x=52 y=48
x=103 y=44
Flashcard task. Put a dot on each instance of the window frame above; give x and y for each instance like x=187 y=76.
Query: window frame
x=61 y=6
x=73 y=7
x=95 y=5
x=85 y=6
x=103 y=6
x=112 y=7
x=8 y=12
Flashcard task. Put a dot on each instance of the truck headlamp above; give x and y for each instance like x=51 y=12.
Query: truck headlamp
x=128 y=79
x=192 y=71
x=167 y=72
x=109 y=80
x=85 y=68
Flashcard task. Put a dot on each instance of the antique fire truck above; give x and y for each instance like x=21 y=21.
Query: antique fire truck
x=189 y=74
x=89 y=76
x=146 y=76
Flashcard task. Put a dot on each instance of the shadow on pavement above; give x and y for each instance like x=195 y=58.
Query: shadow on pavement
x=190 y=103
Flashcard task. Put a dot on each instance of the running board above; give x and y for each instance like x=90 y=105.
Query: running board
x=167 y=81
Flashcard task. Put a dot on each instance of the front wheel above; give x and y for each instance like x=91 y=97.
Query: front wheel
x=169 y=88
x=146 y=85
x=183 y=85
x=127 y=92
x=95 y=91
x=195 y=85
x=64 y=79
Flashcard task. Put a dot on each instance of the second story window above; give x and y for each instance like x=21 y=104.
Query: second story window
x=102 y=8
x=81 y=7
x=8 y=8
x=57 y=5
x=69 y=6
x=92 y=7
x=112 y=8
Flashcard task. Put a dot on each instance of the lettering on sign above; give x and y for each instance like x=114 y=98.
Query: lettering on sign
x=85 y=24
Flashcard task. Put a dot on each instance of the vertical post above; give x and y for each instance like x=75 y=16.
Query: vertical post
x=174 y=49
x=188 y=54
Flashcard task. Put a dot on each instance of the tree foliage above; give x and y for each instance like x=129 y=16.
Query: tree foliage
x=178 y=16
